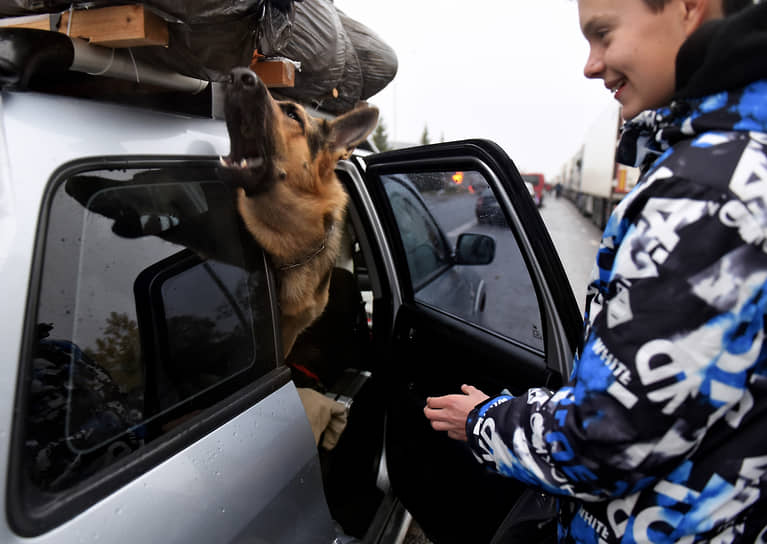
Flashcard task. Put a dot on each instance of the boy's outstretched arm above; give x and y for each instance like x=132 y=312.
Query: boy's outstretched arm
x=673 y=352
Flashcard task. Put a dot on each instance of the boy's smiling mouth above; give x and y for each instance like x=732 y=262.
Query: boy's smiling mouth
x=616 y=87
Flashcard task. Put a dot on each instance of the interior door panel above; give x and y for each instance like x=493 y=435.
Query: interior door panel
x=447 y=491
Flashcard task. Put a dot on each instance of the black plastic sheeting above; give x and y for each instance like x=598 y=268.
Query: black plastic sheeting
x=341 y=60
x=192 y=12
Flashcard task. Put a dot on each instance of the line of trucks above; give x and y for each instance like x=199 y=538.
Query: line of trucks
x=592 y=178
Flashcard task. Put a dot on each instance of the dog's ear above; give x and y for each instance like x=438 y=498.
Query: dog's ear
x=350 y=129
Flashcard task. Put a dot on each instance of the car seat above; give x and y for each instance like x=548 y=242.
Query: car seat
x=337 y=341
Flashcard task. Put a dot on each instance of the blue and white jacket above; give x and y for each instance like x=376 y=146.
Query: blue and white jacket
x=660 y=435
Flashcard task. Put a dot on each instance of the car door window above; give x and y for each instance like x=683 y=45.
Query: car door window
x=426 y=250
x=151 y=308
x=432 y=211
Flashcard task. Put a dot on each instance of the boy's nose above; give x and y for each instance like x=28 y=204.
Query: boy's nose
x=594 y=66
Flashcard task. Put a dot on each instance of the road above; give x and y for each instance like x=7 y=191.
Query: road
x=575 y=238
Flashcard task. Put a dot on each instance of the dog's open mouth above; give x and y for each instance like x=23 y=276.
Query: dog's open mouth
x=242 y=164
x=252 y=174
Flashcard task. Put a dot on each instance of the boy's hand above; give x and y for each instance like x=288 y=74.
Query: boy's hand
x=449 y=413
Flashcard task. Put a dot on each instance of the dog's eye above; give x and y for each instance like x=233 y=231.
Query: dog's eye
x=291 y=112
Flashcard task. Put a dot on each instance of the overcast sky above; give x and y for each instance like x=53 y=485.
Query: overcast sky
x=506 y=70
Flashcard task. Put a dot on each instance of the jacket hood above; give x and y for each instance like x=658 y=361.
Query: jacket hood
x=723 y=54
x=653 y=132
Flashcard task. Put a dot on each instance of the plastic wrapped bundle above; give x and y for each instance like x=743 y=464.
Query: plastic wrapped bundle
x=276 y=26
x=342 y=61
x=318 y=42
x=377 y=59
x=206 y=51
x=348 y=90
x=207 y=38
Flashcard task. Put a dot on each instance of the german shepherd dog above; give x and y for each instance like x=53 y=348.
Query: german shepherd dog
x=282 y=163
x=282 y=167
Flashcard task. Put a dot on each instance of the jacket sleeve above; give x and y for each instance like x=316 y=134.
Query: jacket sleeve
x=673 y=333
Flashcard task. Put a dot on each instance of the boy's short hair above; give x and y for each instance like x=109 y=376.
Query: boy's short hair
x=728 y=6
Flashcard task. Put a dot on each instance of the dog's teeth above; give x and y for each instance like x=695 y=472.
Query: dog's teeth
x=244 y=163
x=222 y=161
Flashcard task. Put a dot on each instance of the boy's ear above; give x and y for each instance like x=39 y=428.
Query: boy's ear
x=350 y=129
x=696 y=12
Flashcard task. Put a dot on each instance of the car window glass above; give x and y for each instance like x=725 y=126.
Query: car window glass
x=498 y=295
x=425 y=249
x=152 y=307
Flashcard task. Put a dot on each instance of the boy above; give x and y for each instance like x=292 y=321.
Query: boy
x=659 y=436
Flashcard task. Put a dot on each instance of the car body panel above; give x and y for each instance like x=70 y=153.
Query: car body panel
x=222 y=487
x=206 y=493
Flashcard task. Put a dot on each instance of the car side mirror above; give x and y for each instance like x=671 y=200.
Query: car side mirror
x=474 y=249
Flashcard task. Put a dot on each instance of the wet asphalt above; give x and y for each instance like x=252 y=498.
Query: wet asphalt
x=576 y=239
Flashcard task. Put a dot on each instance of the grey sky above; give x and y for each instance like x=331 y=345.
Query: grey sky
x=507 y=70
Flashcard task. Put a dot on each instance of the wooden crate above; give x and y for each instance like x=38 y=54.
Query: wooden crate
x=275 y=73
x=114 y=26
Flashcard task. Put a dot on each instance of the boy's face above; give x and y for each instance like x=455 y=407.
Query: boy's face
x=633 y=49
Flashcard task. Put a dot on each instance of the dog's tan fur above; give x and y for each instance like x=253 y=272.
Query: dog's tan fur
x=297 y=212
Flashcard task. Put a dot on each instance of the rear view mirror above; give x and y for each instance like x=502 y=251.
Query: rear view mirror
x=474 y=249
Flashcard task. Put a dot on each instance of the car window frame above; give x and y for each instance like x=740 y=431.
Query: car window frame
x=31 y=522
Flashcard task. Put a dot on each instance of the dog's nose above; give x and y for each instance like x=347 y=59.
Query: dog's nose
x=244 y=77
x=248 y=80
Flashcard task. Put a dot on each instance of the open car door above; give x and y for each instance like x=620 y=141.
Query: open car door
x=484 y=301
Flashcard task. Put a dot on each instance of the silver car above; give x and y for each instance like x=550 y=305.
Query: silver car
x=145 y=397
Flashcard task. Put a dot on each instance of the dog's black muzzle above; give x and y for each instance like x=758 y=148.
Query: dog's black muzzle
x=250 y=121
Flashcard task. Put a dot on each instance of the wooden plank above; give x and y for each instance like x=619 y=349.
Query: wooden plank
x=38 y=22
x=275 y=72
x=114 y=26
x=117 y=26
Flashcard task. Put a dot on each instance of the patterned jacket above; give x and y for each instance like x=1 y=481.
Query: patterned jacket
x=660 y=435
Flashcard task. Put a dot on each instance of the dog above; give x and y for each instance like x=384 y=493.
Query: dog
x=282 y=164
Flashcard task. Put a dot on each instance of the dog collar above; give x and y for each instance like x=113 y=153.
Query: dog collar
x=312 y=255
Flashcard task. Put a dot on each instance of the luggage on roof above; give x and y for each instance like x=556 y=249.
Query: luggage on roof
x=341 y=61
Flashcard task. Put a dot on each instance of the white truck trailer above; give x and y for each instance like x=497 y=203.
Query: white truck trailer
x=592 y=178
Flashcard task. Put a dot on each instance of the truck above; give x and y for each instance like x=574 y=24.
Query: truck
x=592 y=178
x=538 y=183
